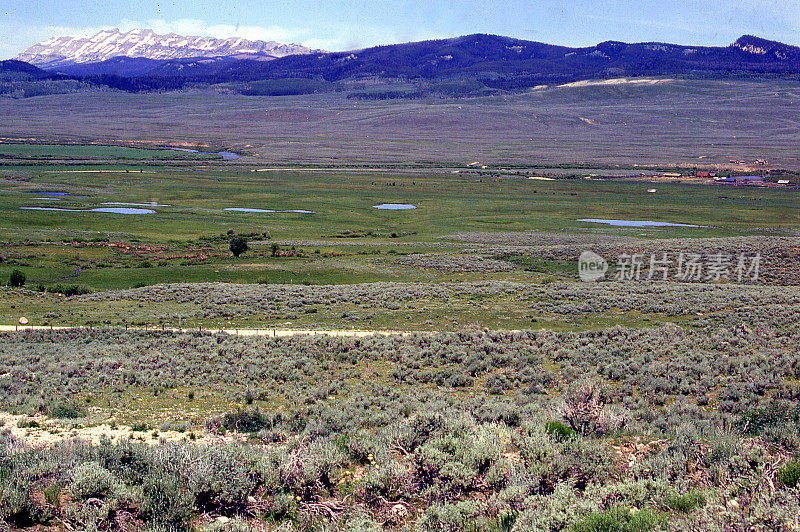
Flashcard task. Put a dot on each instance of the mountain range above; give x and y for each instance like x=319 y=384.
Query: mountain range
x=67 y=51
x=468 y=65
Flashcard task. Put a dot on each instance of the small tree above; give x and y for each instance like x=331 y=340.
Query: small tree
x=238 y=245
x=17 y=278
x=275 y=249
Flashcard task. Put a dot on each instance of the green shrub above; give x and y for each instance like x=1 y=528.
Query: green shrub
x=789 y=475
x=558 y=429
x=687 y=502
x=52 y=494
x=238 y=245
x=16 y=279
x=621 y=519
x=243 y=420
x=66 y=410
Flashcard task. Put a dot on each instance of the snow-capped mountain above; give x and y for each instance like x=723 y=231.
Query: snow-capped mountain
x=68 y=50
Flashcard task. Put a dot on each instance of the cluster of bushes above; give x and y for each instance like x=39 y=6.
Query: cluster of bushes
x=68 y=290
x=434 y=467
x=651 y=378
x=565 y=300
x=211 y=300
x=470 y=430
x=456 y=262
x=779 y=265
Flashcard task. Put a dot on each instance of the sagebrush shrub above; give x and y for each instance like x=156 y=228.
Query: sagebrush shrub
x=91 y=480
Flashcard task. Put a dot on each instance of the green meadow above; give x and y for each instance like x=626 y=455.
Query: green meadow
x=343 y=240
x=343 y=201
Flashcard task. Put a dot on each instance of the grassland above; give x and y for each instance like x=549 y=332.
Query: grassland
x=691 y=122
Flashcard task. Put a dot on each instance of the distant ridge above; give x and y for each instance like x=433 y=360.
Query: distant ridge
x=509 y=61
x=468 y=65
x=65 y=51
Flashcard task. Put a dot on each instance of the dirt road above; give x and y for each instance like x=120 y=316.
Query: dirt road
x=234 y=332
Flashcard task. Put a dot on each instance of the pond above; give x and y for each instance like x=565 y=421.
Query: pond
x=227 y=155
x=246 y=209
x=636 y=223
x=123 y=210
x=110 y=210
x=394 y=206
x=151 y=204
x=249 y=209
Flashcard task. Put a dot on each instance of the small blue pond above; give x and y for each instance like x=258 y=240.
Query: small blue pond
x=636 y=223
x=111 y=210
x=151 y=204
x=394 y=206
x=225 y=154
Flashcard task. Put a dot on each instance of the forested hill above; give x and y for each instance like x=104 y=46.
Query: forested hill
x=510 y=61
x=484 y=62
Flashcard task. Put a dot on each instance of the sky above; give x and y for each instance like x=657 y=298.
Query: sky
x=337 y=25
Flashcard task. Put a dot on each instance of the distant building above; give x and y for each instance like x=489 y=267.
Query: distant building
x=784 y=182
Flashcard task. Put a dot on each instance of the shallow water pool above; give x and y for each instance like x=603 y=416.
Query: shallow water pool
x=110 y=210
x=636 y=223
x=395 y=206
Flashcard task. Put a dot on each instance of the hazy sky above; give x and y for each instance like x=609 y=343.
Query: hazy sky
x=341 y=25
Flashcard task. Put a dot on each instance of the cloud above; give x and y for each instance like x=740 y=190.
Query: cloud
x=189 y=26
x=345 y=39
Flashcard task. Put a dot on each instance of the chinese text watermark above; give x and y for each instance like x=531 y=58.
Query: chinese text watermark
x=665 y=266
